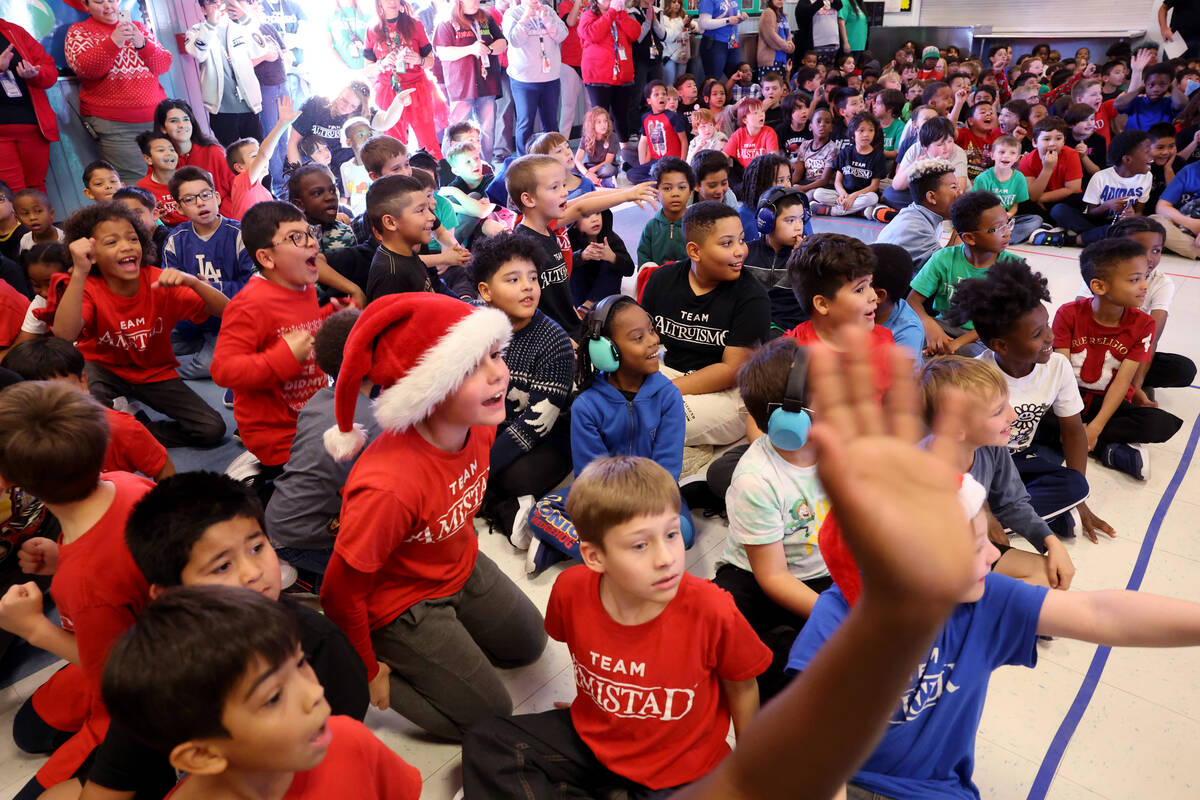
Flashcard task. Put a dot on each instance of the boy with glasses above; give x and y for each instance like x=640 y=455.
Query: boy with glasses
x=210 y=247
x=264 y=352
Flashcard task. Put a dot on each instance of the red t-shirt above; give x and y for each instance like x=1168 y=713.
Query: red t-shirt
x=1096 y=351
x=662 y=134
x=1104 y=118
x=571 y=51
x=131 y=448
x=132 y=335
x=99 y=592
x=13 y=306
x=211 y=157
x=246 y=195
x=978 y=148
x=164 y=204
x=411 y=75
x=355 y=758
x=649 y=701
x=269 y=385
x=414 y=536
x=881 y=342
x=1069 y=168
x=745 y=148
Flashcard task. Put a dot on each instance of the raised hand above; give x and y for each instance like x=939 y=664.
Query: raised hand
x=173 y=277
x=82 y=251
x=21 y=609
x=287 y=110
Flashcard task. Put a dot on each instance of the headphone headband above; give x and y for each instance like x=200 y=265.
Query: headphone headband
x=601 y=313
x=793 y=396
x=776 y=193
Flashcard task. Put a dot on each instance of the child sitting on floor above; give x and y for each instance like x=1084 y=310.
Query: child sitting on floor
x=596 y=157
x=1113 y=193
x=599 y=257
x=120 y=314
x=617 y=370
x=662 y=240
x=1009 y=184
x=312 y=190
x=639 y=626
x=251 y=161
x=100 y=181
x=858 y=168
x=162 y=158
x=892 y=283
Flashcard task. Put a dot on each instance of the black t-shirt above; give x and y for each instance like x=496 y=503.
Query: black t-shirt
x=1097 y=148
x=774 y=116
x=685 y=111
x=859 y=169
x=123 y=764
x=789 y=140
x=1186 y=20
x=554 y=274
x=10 y=247
x=11 y=273
x=15 y=110
x=1184 y=138
x=392 y=273
x=696 y=329
x=1158 y=182
x=318 y=118
x=769 y=267
x=270 y=73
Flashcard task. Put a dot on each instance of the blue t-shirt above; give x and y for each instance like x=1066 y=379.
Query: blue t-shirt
x=1144 y=112
x=1184 y=191
x=906 y=328
x=221 y=261
x=719 y=9
x=928 y=750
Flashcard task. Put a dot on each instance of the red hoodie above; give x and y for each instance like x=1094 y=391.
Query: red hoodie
x=599 y=50
x=29 y=51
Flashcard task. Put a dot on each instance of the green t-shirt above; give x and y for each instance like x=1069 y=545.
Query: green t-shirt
x=444 y=211
x=1011 y=192
x=856 y=26
x=891 y=134
x=943 y=271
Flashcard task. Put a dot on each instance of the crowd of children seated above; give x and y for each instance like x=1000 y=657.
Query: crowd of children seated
x=411 y=342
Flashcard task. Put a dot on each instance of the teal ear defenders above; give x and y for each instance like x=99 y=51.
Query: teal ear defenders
x=601 y=350
x=789 y=421
x=767 y=206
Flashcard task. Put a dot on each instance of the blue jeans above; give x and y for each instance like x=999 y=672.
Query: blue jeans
x=483 y=109
x=269 y=116
x=314 y=561
x=714 y=55
x=532 y=100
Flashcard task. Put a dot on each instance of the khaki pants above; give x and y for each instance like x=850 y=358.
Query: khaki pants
x=716 y=418
x=1179 y=240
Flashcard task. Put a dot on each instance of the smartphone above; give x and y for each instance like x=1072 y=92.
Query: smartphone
x=122 y=17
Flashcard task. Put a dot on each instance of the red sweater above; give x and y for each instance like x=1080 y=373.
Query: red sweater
x=116 y=83
x=29 y=51
x=269 y=385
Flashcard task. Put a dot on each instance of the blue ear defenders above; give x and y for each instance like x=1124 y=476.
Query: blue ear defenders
x=789 y=422
x=767 y=206
x=601 y=350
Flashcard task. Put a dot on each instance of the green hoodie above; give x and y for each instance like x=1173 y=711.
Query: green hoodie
x=662 y=241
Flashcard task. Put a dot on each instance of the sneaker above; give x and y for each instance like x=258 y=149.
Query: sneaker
x=1144 y=452
x=541 y=555
x=228 y=399
x=522 y=534
x=1053 y=238
x=821 y=209
x=287 y=575
x=1123 y=458
x=884 y=214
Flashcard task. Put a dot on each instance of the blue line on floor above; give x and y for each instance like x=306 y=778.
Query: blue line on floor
x=1058 y=745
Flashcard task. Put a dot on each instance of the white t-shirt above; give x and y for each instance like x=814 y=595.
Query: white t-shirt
x=771 y=500
x=27 y=240
x=917 y=153
x=1160 y=291
x=1049 y=385
x=1107 y=184
x=32 y=324
x=356 y=180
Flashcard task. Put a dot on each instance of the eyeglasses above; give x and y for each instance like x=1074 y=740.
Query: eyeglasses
x=301 y=238
x=192 y=199
x=1007 y=226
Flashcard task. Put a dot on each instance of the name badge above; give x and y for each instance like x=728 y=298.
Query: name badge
x=11 y=87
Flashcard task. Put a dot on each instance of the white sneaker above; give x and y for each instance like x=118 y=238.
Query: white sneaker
x=244 y=467
x=287 y=575
x=535 y=545
x=522 y=534
x=1144 y=451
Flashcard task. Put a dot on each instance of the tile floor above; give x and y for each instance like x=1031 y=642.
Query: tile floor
x=1133 y=739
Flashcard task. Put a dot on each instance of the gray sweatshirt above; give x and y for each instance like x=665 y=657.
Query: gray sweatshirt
x=1007 y=497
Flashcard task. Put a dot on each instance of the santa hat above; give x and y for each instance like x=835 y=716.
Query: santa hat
x=419 y=347
x=840 y=561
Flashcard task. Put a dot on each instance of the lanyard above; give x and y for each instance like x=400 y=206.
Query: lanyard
x=483 y=60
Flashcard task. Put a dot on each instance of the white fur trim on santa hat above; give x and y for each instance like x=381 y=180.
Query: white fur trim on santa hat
x=344 y=445
x=971 y=495
x=442 y=369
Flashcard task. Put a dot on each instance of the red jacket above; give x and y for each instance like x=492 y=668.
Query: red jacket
x=28 y=49
x=599 y=51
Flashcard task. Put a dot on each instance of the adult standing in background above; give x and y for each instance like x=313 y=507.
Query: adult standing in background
x=534 y=33
x=607 y=33
x=1185 y=22
x=775 y=43
x=570 y=80
x=647 y=55
x=292 y=23
x=809 y=27
x=506 y=115
x=348 y=33
x=27 y=124
x=852 y=20
x=118 y=63
x=324 y=117
x=271 y=73
x=227 y=53
x=468 y=45
x=400 y=53
x=719 y=20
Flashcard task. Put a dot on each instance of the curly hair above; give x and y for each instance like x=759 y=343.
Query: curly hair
x=82 y=225
x=995 y=302
x=490 y=254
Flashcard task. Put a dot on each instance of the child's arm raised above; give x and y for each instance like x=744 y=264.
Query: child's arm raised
x=68 y=316
x=262 y=161
x=882 y=485
x=214 y=301
x=644 y=194
x=1113 y=396
x=1139 y=62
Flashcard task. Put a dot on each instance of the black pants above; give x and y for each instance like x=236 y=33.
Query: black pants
x=228 y=128
x=617 y=100
x=1169 y=370
x=1132 y=424
x=534 y=756
x=535 y=473
x=776 y=627
x=720 y=472
x=193 y=423
x=1053 y=489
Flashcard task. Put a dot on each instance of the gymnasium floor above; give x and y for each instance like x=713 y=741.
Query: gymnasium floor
x=1083 y=725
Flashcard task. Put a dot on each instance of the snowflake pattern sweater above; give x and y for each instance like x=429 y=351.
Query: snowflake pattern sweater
x=541 y=363
x=116 y=83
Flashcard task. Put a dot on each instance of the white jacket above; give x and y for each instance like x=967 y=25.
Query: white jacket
x=242 y=44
